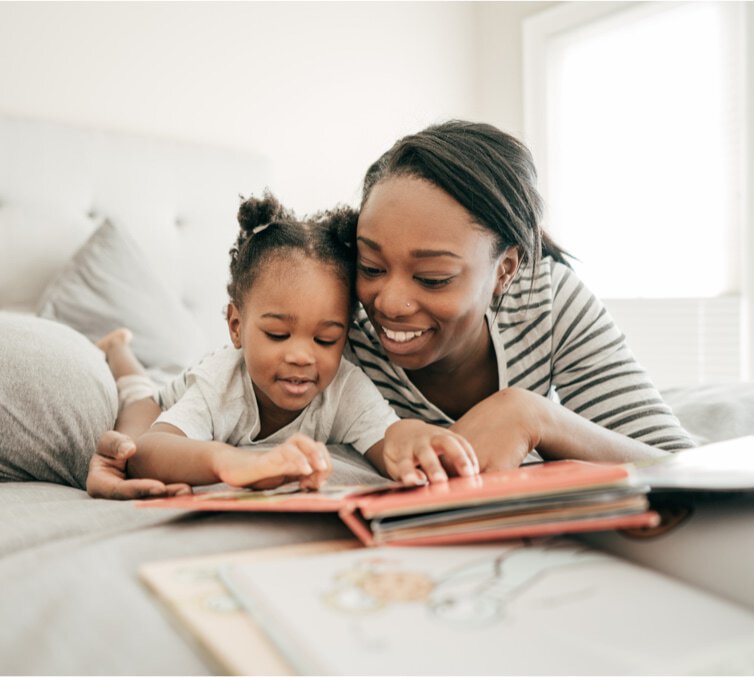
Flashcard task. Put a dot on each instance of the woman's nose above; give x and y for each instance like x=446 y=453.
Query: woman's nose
x=393 y=300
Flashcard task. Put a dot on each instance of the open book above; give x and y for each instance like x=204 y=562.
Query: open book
x=531 y=606
x=543 y=499
x=543 y=606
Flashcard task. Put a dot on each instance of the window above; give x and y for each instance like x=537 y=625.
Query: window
x=634 y=112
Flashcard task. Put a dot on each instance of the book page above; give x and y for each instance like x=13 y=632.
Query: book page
x=191 y=589
x=543 y=607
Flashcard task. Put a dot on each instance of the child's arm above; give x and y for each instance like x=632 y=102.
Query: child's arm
x=165 y=453
x=107 y=477
x=414 y=452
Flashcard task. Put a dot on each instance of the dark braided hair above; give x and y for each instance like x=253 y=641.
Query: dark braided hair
x=490 y=173
x=270 y=231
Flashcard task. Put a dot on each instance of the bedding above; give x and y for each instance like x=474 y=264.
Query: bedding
x=109 y=284
x=72 y=603
x=56 y=398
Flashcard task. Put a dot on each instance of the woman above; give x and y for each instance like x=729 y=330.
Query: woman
x=471 y=317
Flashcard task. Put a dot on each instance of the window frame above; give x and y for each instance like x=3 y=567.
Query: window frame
x=540 y=28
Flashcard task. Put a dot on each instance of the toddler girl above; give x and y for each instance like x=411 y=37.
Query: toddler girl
x=282 y=384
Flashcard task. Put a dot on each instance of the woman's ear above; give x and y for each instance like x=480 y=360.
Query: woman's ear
x=507 y=267
x=233 y=316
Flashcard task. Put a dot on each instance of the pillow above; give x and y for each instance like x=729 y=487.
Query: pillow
x=716 y=412
x=108 y=284
x=56 y=398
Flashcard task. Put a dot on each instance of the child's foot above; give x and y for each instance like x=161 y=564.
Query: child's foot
x=115 y=339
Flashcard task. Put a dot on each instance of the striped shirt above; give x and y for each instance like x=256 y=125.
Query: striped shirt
x=554 y=337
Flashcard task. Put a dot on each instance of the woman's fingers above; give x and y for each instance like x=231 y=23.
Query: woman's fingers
x=116 y=446
x=107 y=480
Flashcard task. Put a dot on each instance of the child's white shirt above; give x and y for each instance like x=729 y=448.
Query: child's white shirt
x=219 y=403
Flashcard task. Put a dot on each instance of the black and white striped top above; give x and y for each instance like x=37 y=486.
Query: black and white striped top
x=553 y=337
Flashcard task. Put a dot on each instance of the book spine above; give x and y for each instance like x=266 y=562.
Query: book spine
x=352 y=518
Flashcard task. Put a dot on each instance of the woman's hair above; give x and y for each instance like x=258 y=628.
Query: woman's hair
x=489 y=172
x=270 y=231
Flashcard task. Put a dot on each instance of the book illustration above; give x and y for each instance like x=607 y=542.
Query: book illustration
x=475 y=593
x=473 y=609
x=293 y=491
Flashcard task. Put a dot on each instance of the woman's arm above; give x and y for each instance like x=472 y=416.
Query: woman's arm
x=595 y=374
x=506 y=426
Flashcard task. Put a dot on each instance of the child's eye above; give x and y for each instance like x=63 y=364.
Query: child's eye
x=325 y=342
x=369 y=271
x=276 y=337
x=434 y=282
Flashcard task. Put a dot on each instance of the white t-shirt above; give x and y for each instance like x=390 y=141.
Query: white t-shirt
x=215 y=400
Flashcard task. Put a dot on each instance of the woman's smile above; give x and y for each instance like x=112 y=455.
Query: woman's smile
x=404 y=341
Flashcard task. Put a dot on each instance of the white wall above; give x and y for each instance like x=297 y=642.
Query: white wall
x=321 y=88
x=499 y=55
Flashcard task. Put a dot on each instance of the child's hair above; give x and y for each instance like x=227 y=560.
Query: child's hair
x=270 y=231
x=487 y=171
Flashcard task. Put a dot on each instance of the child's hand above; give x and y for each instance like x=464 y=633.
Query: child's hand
x=415 y=452
x=298 y=458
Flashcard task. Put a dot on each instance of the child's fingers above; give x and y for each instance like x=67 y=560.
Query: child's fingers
x=458 y=456
x=266 y=470
x=178 y=489
x=430 y=463
x=315 y=452
x=405 y=470
x=287 y=459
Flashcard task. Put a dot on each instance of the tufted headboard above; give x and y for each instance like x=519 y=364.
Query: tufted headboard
x=178 y=200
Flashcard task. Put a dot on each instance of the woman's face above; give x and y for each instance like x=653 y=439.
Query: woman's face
x=426 y=273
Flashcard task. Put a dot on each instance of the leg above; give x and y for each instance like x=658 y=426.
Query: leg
x=118 y=353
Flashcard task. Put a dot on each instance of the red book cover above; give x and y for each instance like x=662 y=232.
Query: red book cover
x=542 y=499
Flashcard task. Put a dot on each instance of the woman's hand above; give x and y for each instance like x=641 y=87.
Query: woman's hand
x=415 y=452
x=298 y=458
x=107 y=476
x=506 y=426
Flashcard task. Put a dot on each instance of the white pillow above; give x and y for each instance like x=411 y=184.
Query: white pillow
x=109 y=284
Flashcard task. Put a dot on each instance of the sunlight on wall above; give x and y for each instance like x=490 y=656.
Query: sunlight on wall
x=642 y=153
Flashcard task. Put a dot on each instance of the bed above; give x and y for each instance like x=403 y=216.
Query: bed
x=115 y=223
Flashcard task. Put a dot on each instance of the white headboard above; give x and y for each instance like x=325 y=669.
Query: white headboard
x=178 y=200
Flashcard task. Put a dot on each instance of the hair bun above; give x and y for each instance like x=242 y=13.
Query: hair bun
x=342 y=221
x=256 y=213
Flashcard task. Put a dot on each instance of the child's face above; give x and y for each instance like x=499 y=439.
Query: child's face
x=292 y=329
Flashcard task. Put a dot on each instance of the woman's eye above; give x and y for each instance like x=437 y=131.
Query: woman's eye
x=369 y=271
x=276 y=337
x=434 y=282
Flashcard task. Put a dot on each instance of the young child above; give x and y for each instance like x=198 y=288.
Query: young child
x=282 y=384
